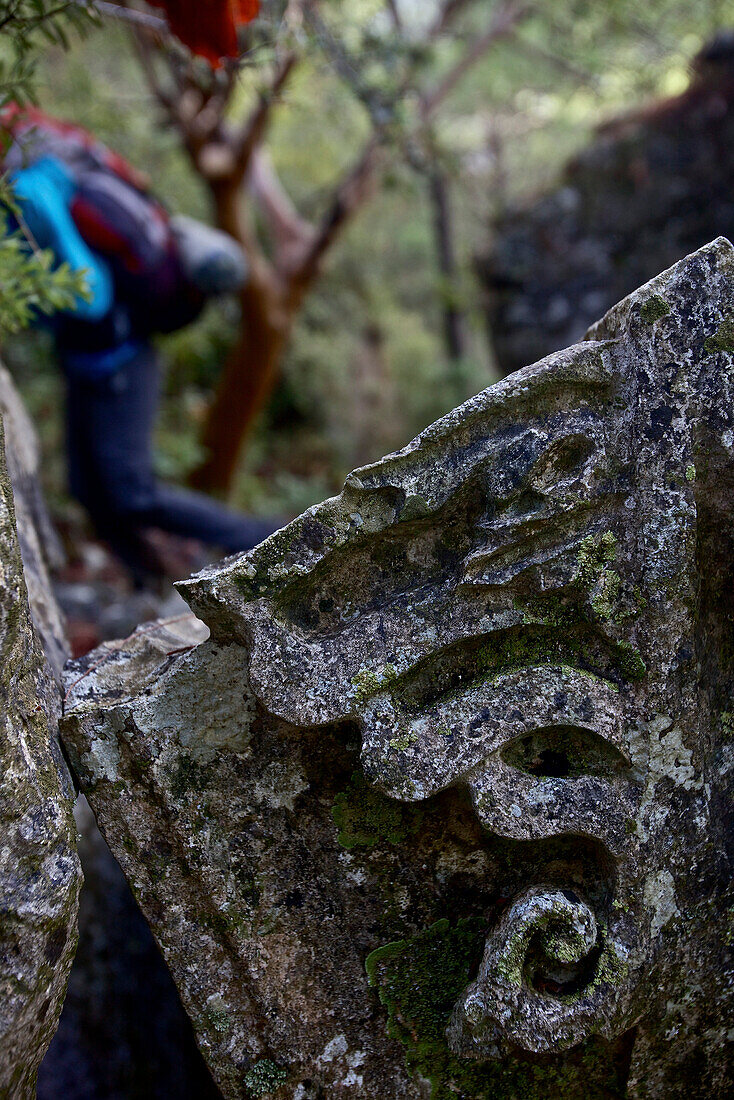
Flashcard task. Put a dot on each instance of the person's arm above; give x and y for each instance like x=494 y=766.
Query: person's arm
x=44 y=191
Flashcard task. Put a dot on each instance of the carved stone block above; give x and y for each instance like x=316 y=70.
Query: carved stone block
x=440 y=807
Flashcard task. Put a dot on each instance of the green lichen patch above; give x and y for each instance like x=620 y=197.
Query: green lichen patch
x=368 y=682
x=653 y=309
x=365 y=817
x=217 y=1018
x=723 y=338
x=419 y=980
x=595 y=553
x=594 y=576
x=600 y=584
x=264 y=1078
x=403 y=742
x=690 y=472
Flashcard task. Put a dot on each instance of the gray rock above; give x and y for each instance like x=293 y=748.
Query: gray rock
x=39 y=868
x=441 y=807
x=122 y=1034
x=39 y=545
x=653 y=186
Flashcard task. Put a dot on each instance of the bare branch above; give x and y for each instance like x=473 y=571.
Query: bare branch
x=252 y=133
x=128 y=15
x=291 y=233
x=196 y=112
x=450 y=9
x=503 y=23
x=582 y=76
x=397 y=18
x=345 y=63
x=353 y=190
x=348 y=196
x=143 y=47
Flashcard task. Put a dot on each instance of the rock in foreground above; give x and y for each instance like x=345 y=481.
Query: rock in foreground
x=440 y=807
x=39 y=868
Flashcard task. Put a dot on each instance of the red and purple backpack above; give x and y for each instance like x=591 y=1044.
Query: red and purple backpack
x=116 y=215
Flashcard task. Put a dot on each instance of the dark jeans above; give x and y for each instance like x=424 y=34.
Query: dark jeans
x=110 y=428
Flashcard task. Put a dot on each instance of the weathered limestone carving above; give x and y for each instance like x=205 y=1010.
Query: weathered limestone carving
x=39 y=869
x=440 y=807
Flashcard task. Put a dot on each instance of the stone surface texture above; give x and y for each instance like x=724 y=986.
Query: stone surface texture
x=122 y=1034
x=440 y=806
x=39 y=544
x=651 y=187
x=40 y=874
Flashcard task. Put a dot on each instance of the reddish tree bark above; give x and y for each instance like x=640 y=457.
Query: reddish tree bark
x=285 y=268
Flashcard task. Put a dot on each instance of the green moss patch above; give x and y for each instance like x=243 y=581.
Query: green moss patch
x=365 y=817
x=723 y=338
x=653 y=309
x=186 y=775
x=264 y=1078
x=419 y=980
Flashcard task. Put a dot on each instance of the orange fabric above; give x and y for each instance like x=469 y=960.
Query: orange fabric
x=209 y=27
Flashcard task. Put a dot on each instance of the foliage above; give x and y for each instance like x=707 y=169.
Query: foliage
x=504 y=133
x=29 y=281
x=24 y=27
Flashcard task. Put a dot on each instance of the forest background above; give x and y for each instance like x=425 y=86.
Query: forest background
x=367 y=364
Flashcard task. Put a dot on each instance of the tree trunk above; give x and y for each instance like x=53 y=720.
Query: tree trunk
x=453 y=321
x=251 y=368
x=246 y=383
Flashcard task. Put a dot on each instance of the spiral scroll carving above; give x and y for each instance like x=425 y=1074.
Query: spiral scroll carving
x=544 y=982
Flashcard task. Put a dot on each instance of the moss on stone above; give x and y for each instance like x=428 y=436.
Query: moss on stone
x=605 y=600
x=217 y=1018
x=415 y=507
x=594 y=576
x=365 y=817
x=264 y=1078
x=419 y=980
x=403 y=742
x=729 y=933
x=223 y=922
x=367 y=682
x=723 y=338
x=690 y=472
x=187 y=775
x=578 y=647
x=653 y=309
x=631 y=664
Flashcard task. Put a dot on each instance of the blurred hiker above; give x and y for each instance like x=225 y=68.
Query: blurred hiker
x=146 y=273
